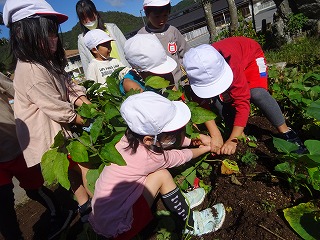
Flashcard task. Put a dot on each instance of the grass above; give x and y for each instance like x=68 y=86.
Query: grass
x=304 y=51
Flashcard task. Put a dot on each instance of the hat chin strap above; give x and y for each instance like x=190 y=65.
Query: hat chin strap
x=103 y=57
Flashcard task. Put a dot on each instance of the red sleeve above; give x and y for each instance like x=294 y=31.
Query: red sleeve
x=240 y=92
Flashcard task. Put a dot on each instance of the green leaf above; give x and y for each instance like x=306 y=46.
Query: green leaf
x=302 y=219
x=156 y=82
x=313 y=146
x=96 y=128
x=113 y=86
x=285 y=168
x=314 y=110
x=88 y=110
x=173 y=95
x=59 y=140
x=111 y=154
x=200 y=115
x=78 y=152
x=92 y=176
x=284 y=146
x=191 y=131
x=47 y=163
x=314 y=174
x=54 y=166
x=61 y=166
x=110 y=111
x=85 y=138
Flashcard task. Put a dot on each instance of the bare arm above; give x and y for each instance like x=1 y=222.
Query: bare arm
x=229 y=147
x=216 y=137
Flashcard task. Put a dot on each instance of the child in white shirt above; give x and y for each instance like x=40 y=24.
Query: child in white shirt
x=102 y=66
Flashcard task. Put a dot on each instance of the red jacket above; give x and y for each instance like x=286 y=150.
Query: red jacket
x=241 y=53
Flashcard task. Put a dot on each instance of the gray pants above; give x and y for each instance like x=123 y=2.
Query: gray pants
x=262 y=99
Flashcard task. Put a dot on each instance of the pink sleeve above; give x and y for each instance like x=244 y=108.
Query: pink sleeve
x=186 y=142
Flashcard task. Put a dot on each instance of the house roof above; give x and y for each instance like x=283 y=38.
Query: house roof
x=71 y=53
x=196 y=12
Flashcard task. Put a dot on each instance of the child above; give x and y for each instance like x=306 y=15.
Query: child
x=44 y=95
x=146 y=55
x=12 y=164
x=124 y=194
x=231 y=80
x=89 y=19
x=102 y=65
x=157 y=12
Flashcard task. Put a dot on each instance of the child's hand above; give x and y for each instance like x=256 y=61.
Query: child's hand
x=229 y=147
x=216 y=144
x=205 y=139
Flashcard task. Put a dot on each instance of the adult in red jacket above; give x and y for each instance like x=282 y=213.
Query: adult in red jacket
x=230 y=74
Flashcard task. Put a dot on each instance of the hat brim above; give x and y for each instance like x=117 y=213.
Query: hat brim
x=215 y=87
x=60 y=17
x=168 y=66
x=181 y=118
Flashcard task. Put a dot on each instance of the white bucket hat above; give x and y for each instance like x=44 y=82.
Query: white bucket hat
x=145 y=53
x=95 y=37
x=149 y=113
x=15 y=10
x=155 y=3
x=208 y=72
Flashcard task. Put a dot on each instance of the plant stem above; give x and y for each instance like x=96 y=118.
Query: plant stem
x=268 y=230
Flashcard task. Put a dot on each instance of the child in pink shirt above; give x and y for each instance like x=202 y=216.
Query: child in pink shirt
x=124 y=194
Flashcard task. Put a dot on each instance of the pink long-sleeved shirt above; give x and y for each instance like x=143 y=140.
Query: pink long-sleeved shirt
x=119 y=187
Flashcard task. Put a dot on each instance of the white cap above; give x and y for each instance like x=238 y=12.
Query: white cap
x=208 y=72
x=15 y=10
x=145 y=53
x=149 y=113
x=155 y=3
x=95 y=37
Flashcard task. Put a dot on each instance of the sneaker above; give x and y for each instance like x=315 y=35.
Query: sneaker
x=59 y=223
x=85 y=210
x=291 y=136
x=195 y=197
x=208 y=220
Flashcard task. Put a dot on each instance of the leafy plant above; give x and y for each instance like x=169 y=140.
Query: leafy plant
x=305 y=219
x=295 y=91
x=98 y=146
x=295 y=23
x=300 y=170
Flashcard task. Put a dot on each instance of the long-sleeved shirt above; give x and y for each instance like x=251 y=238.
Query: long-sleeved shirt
x=119 y=187
x=43 y=105
x=117 y=47
x=9 y=145
x=241 y=52
x=174 y=44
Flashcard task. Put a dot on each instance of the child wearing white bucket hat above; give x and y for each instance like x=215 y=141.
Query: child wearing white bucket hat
x=102 y=65
x=230 y=74
x=147 y=57
x=124 y=194
x=173 y=42
x=44 y=94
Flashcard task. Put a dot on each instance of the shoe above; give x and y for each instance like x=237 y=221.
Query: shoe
x=195 y=197
x=59 y=223
x=85 y=210
x=292 y=136
x=208 y=220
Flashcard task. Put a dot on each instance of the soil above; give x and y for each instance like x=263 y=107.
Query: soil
x=254 y=208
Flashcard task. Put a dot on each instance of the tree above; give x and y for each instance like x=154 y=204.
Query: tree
x=233 y=16
x=206 y=5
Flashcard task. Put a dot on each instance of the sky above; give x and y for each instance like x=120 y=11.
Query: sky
x=68 y=7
